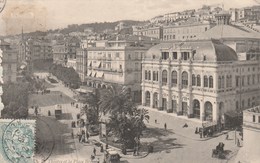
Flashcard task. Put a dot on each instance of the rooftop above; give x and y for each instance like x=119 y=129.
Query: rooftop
x=204 y=50
x=228 y=31
x=255 y=109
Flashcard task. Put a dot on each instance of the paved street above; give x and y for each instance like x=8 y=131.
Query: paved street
x=176 y=144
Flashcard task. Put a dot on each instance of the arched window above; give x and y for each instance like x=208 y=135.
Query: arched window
x=227 y=81
x=147 y=98
x=164 y=77
x=193 y=80
x=206 y=81
x=208 y=111
x=210 y=82
x=198 y=81
x=157 y=75
x=222 y=82
x=196 y=108
x=174 y=78
x=219 y=82
x=146 y=75
x=185 y=79
x=149 y=75
x=154 y=75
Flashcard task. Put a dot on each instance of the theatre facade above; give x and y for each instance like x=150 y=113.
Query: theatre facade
x=198 y=79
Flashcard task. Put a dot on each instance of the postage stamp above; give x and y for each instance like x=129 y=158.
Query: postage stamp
x=2 y=5
x=17 y=140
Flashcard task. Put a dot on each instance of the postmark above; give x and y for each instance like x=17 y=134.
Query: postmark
x=17 y=140
x=2 y=5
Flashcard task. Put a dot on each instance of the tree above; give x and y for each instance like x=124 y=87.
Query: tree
x=67 y=75
x=15 y=100
x=126 y=121
x=92 y=108
x=116 y=100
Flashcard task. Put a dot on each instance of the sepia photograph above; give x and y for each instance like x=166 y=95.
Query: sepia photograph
x=129 y=81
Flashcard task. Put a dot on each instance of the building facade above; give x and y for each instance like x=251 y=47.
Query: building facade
x=251 y=135
x=185 y=32
x=81 y=63
x=154 y=32
x=118 y=61
x=64 y=50
x=190 y=79
x=9 y=62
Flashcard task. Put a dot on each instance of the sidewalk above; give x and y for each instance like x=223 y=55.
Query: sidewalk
x=175 y=124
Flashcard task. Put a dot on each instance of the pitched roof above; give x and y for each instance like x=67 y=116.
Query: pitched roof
x=228 y=31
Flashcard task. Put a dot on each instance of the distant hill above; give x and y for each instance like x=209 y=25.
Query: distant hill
x=98 y=27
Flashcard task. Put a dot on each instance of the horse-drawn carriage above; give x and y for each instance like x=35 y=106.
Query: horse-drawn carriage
x=219 y=151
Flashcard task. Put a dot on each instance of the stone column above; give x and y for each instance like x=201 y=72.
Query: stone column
x=215 y=111
x=202 y=110
x=143 y=96
x=1 y=82
x=179 y=85
x=160 y=88
x=151 y=99
x=169 y=99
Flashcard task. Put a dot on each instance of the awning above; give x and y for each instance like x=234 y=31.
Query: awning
x=89 y=73
x=233 y=114
x=209 y=124
x=81 y=90
x=100 y=74
x=98 y=64
x=90 y=64
x=85 y=89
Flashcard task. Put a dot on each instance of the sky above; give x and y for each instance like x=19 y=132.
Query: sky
x=51 y=14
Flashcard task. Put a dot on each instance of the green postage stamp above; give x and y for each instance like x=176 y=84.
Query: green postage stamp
x=17 y=140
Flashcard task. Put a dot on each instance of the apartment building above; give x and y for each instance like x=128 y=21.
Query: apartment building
x=118 y=61
x=66 y=50
x=9 y=62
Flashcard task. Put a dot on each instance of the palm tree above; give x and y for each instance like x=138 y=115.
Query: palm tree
x=116 y=100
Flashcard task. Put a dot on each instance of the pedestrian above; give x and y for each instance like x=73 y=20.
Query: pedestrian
x=94 y=151
x=196 y=130
x=185 y=125
x=238 y=143
x=101 y=149
x=155 y=121
x=79 y=135
x=92 y=157
x=87 y=135
x=165 y=126
x=60 y=95
x=134 y=152
x=227 y=136
x=36 y=110
x=83 y=136
x=106 y=146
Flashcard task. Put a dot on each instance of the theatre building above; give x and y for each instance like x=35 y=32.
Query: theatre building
x=197 y=79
